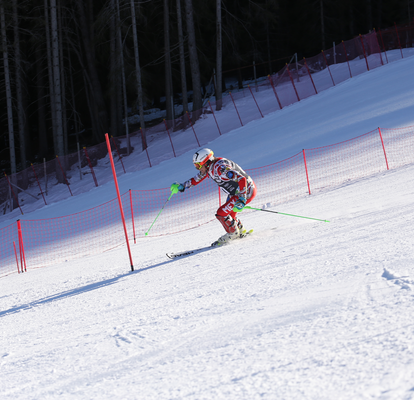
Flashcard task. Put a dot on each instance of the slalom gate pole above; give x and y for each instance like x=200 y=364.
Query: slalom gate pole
x=108 y=144
x=171 y=195
x=290 y=215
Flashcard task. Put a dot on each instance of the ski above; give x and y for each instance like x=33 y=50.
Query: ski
x=202 y=249
x=189 y=252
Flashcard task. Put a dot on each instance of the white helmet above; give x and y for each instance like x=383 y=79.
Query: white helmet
x=202 y=157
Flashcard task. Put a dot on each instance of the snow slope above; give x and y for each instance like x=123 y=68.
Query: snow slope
x=300 y=310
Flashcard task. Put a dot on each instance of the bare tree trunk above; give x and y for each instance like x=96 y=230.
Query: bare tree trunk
x=98 y=111
x=41 y=104
x=168 y=75
x=322 y=24
x=124 y=92
x=8 y=90
x=113 y=70
x=194 y=64
x=21 y=114
x=62 y=82
x=219 y=55
x=138 y=76
x=369 y=16
x=60 y=147
x=182 y=57
x=50 y=75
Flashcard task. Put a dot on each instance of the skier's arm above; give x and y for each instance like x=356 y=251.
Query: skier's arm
x=242 y=191
x=194 y=181
x=187 y=184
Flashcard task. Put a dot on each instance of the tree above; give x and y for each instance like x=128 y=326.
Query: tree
x=168 y=75
x=97 y=104
x=57 y=95
x=194 y=64
x=8 y=89
x=124 y=90
x=182 y=57
x=21 y=112
x=219 y=57
x=138 y=76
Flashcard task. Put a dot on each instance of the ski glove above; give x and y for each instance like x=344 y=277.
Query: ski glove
x=177 y=187
x=239 y=204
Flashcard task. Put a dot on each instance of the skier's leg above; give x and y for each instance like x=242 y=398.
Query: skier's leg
x=227 y=216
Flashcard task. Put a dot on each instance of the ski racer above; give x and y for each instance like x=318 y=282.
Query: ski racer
x=233 y=180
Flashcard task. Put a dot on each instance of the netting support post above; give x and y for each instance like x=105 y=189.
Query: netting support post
x=189 y=119
x=166 y=127
x=260 y=111
x=293 y=83
x=146 y=148
x=119 y=155
x=64 y=176
x=379 y=48
x=310 y=76
x=211 y=108
x=132 y=215
x=383 y=147
x=236 y=109
x=327 y=66
x=274 y=90
x=363 y=49
x=90 y=167
x=398 y=37
x=44 y=166
x=346 y=55
x=38 y=184
x=108 y=144
x=383 y=46
x=79 y=161
x=306 y=169
x=14 y=195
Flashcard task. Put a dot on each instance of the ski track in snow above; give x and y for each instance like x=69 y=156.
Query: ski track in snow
x=301 y=309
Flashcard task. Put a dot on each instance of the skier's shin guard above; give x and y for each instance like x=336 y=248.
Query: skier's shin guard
x=229 y=224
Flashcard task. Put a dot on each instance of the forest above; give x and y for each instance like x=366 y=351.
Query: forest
x=73 y=70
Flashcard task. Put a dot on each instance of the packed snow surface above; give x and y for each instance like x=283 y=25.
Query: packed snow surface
x=301 y=309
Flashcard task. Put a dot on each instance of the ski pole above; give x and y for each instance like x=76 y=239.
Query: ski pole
x=290 y=215
x=171 y=195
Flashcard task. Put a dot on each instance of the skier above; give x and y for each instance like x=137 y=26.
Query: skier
x=233 y=180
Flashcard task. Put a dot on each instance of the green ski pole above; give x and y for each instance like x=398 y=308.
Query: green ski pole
x=173 y=191
x=290 y=215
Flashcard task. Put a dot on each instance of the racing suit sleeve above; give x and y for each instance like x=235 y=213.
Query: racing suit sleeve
x=195 y=181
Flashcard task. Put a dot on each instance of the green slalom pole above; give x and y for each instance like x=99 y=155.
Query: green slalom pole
x=173 y=191
x=290 y=215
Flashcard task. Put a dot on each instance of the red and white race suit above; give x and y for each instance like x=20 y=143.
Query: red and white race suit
x=233 y=180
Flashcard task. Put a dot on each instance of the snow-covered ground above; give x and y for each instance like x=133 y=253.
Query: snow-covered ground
x=301 y=309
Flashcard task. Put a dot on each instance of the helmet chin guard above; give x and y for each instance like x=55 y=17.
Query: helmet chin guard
x=203 y=157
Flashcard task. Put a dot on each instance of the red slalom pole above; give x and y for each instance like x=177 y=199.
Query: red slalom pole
x=21 y=246
x=108 y=144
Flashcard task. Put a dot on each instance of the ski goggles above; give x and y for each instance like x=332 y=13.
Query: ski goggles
x=198 y=165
